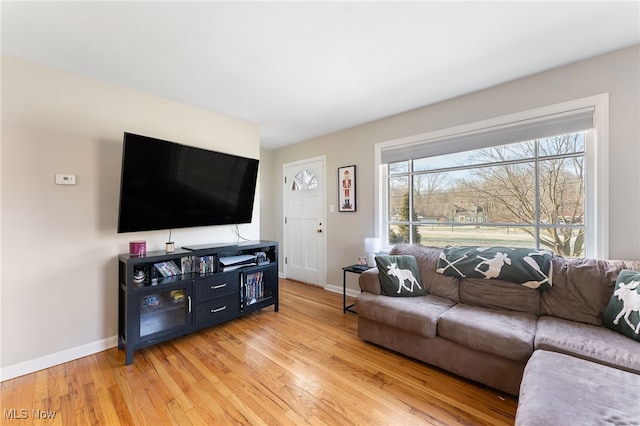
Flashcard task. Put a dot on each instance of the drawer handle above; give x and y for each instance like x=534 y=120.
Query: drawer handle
x=213 y=311
x=215 y=287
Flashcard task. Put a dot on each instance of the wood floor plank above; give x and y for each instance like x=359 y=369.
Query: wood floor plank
x=303 y=365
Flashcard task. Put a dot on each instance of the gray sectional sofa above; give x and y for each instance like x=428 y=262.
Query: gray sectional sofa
x=528 y=342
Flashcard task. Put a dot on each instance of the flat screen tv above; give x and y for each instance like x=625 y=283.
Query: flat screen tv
x=167 y=185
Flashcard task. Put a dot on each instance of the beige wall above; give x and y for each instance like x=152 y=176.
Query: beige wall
x=59 y=243
x=616 y=73
x=267 y=193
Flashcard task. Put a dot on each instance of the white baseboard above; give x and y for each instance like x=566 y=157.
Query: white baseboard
x=57 y=358
x=338 y=289
x=332 y=288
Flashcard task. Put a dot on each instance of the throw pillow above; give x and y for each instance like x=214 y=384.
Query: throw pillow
x=399 y=276
x=527 y=267
x=623 y=311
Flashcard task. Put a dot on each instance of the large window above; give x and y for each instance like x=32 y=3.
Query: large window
x=524 y=183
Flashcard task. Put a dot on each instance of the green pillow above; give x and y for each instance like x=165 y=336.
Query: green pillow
x=399 y=276
x=623 y=311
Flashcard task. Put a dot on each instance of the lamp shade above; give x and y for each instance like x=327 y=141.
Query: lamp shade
x=372 y=245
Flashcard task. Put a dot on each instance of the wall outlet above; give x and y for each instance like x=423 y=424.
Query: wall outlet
x=65 y=179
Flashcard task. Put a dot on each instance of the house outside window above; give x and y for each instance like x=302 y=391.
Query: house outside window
x=532 y=180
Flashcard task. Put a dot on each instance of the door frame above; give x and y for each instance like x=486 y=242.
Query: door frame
x=323 y=215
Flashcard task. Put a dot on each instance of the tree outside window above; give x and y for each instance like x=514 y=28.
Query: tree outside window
x=525 y=194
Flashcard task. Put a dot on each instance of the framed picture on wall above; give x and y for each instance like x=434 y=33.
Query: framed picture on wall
x=347 y=189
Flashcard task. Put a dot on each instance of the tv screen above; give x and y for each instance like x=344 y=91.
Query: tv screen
x=166 y=185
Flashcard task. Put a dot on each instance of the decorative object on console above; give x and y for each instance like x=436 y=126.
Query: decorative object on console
x=138 y=248
x=139 y=276
x=372 y=246
x=399 y=276
x=347 y=189
x=622 y=314
x=170 y=246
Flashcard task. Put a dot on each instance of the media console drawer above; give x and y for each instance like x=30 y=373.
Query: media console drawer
x=218 y=285
x=217 y=310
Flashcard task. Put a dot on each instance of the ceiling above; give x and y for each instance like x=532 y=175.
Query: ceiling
x=305 y=69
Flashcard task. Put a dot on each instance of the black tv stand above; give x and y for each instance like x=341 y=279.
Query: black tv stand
x=166 y=295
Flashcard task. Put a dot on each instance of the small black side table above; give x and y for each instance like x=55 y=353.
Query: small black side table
x=356 y=269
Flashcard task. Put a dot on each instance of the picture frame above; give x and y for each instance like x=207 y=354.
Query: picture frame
x=347 y=188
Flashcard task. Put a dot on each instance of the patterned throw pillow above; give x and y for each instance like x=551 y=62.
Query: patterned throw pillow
x=527 y=267
x=399 y=276
x=623 y=311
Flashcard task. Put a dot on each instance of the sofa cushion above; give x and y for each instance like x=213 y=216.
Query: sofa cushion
x=508 y=334
x=417 y=315
x=399 y=276
x=622 y=314
x=427 y=258
x=558 y=389
x=590 y=342
x=527 y=267
x=582 y=288
x=499 y=295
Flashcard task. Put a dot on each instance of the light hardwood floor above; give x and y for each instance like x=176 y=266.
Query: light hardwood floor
x=302 y=365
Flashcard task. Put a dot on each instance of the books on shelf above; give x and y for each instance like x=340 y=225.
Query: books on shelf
x=168 y=268
x=188 y=264
x=254 y=287
x=198 y=264
x=206 y=264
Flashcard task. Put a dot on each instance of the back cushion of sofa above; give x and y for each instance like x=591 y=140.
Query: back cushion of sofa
x=427 y=257
x=581 y=288
x=499 y=294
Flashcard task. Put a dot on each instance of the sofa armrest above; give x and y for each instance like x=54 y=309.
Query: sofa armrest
x=369 y=281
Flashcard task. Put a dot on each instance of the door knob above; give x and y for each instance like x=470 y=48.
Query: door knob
x=319 y=231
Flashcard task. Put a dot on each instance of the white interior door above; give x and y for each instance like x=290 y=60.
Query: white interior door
x=304 y=221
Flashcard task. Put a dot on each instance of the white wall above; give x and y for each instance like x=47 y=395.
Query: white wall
x=59 y=243
x=616 y=73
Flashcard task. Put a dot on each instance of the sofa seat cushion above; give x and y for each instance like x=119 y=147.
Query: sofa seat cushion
x=590 y=342
x=417 y=315
x=559 y=389
x=509 y=334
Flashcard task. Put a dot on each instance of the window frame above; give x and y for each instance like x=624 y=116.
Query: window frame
x=596 y=164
